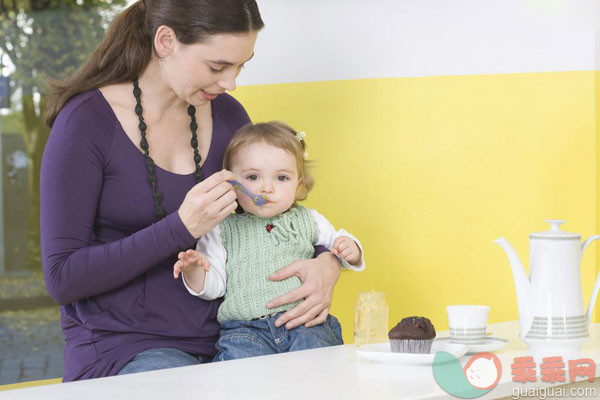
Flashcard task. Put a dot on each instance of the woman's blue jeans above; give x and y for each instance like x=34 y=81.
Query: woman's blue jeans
x=241 y=339
x=162 y=358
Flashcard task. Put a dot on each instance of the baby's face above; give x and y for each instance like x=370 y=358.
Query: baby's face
x=267 y=170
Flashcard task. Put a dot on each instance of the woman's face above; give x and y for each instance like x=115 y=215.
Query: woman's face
x=198 y=73
x=267 y=170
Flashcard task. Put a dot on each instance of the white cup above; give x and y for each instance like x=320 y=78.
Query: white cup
x=467 y=323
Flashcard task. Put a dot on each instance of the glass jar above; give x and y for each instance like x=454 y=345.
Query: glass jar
x=371 y=315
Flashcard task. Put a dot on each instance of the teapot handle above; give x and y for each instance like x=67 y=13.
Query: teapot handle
x=596 y=286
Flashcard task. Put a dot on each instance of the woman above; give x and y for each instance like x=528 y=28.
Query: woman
x=132 y=174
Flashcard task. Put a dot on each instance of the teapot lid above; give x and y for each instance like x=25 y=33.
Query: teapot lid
x=555 y=232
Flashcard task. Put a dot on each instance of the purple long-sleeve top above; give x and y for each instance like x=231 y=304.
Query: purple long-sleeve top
x=106 y=260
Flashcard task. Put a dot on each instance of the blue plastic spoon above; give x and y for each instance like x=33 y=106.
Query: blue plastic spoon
x=258 y=199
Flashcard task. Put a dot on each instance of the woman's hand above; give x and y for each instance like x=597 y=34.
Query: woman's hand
x=319 y=276
x=207 y=203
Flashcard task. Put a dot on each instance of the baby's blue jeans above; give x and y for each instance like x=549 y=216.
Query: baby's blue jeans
x=259 y=337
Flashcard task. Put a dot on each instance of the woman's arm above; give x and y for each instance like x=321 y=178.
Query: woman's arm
x=72 y=175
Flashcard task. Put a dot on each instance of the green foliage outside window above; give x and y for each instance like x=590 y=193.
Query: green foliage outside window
x=44 y=39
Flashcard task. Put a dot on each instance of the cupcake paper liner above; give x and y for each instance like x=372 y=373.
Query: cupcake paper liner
x=421 y=346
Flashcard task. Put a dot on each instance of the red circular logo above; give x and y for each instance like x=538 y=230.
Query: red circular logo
x=483 y=370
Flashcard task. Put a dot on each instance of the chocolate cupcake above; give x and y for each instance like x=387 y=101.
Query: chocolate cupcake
x=412 y=335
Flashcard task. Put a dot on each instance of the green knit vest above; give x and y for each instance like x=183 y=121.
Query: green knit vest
x=254 y=253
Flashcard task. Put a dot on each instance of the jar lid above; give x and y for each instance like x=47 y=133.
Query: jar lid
x=371 y=293
x=555 y=233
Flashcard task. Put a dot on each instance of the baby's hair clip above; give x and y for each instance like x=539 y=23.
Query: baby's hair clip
x=300 y=136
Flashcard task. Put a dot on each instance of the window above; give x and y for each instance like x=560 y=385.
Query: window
x=38 y=40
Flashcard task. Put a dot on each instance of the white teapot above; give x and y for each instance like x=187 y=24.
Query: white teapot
x=551 y=311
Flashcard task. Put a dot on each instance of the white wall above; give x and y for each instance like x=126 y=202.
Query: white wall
x=315 y=40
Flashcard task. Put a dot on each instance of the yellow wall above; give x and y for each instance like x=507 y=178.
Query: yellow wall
x=428 y=171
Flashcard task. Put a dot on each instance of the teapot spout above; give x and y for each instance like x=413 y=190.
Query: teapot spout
x=522 y=286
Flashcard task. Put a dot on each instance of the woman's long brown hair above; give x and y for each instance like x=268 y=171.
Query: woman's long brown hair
x=127 y=46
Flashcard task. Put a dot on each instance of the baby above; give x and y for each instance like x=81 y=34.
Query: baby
x=236 y=258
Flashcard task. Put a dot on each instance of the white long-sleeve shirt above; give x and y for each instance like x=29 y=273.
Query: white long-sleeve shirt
x=212 y=247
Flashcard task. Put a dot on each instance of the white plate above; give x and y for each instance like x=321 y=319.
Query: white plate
x=491 y=344
x=381 y=352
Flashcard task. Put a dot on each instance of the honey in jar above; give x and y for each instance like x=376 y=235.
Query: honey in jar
x=370 y=318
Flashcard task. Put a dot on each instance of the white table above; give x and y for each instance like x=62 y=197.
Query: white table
x=329 y=373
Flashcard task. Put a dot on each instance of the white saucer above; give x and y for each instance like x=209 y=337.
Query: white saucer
x=381 y=352
x=491 y=344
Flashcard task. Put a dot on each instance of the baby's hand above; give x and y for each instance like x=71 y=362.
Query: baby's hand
x=347 y=249
x=188 y=260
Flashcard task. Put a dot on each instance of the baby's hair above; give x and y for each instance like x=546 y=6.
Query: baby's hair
x=276 y=134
